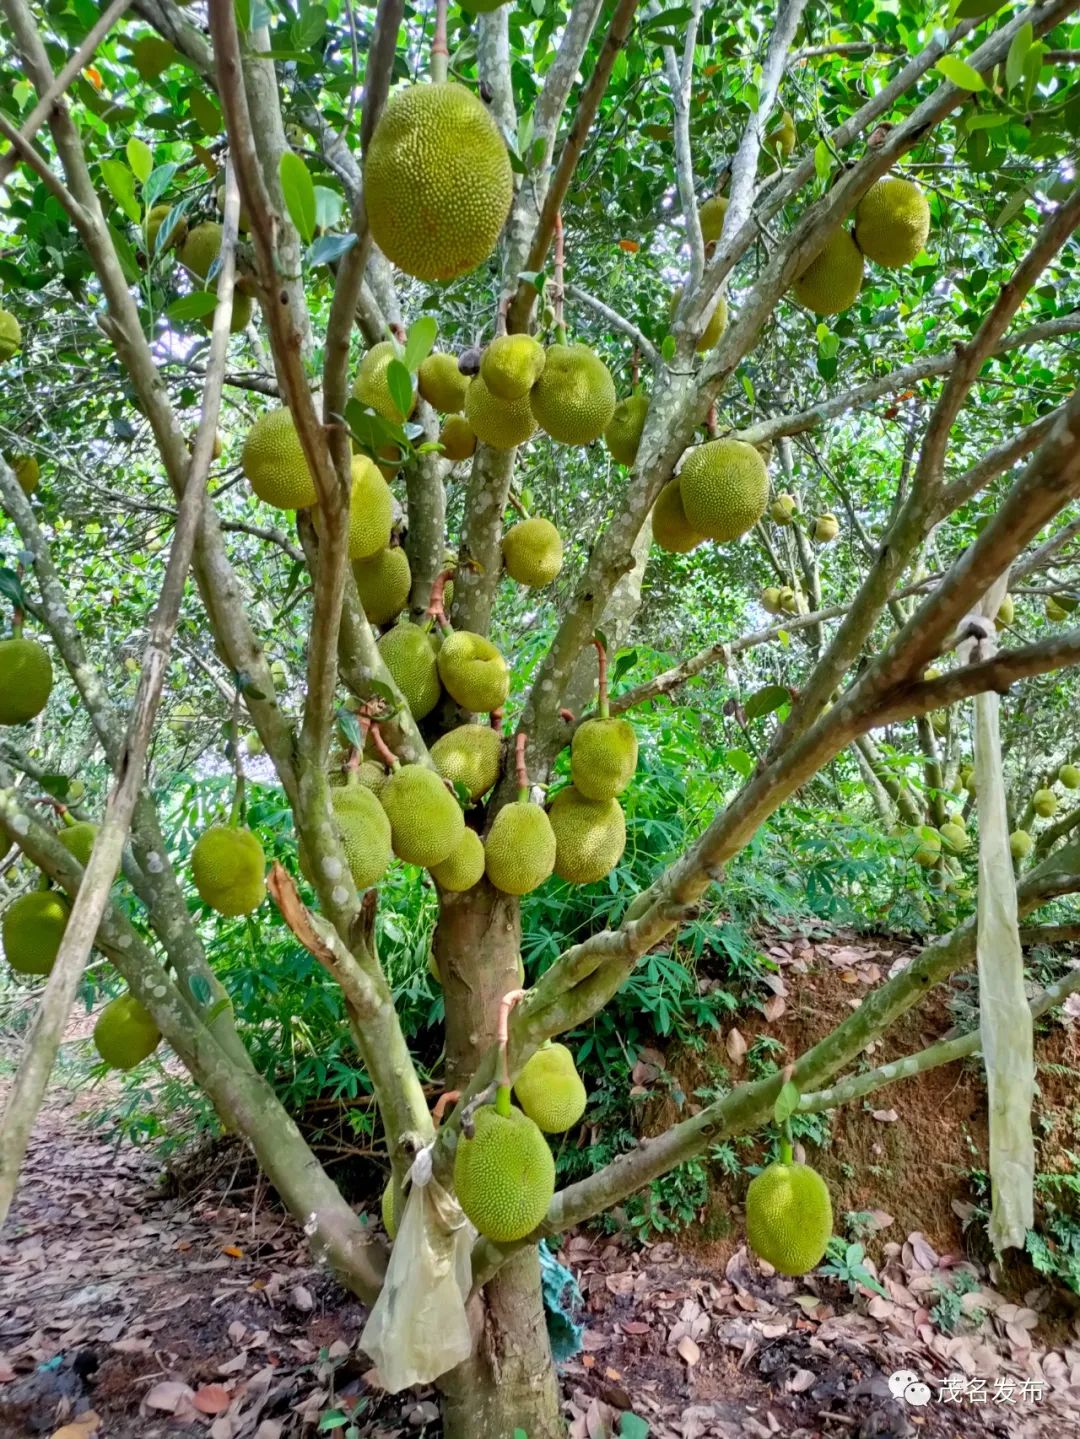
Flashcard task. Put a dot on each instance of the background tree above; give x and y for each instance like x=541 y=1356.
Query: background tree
x=865 y=383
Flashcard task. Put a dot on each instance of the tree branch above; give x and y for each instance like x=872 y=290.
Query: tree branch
x=617 y=322
x=680 y=80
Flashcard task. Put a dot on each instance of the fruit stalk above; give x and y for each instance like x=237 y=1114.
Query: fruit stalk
x=602 y=704
x=385 y=754
x=440 y=51
x=557 y=286
x=506 y=1004
x=435 y=603
x=522 y=772
x=236 y=813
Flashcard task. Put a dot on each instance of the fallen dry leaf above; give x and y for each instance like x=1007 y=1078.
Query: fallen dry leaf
x=85 y=1426
x=233 y=1250
x=688 y=1351
x=735 y=1045
x=168 y=1395
x=212 y=1399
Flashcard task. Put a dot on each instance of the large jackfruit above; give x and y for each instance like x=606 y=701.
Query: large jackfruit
x=437 y=181
x=32 y=928
x=26 y=680
x=1020 y=844
x=504 y=1175
x=603 y=757
x=201 y=248
x=590 y=836
x=458 y=438
x=228 y=867
x=832 y=280
x=549 y=1089
x=711 y=218
x=533 y=552
x=511 y=365
x=409 y=655
x=623 y=434
x=671 y=530
x=464 y=866
x=502 y=424
x=1044 y=803
x=78 y=840
x=789 y=1217
x=125 y=1033
x=442 y=384
x=371 y=387
x=520 y=848
x=383 y=583
x=27 y=472
x=273 y=460
x=426 y=822
x=364 y=828
x=892 y=221
x=10 y=335
x=371 y=510
x=469 y=755
x=473 y=672
x=724 y=488
x=574 y=398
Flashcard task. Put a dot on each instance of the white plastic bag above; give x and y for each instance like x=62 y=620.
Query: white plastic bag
x=419 y=1327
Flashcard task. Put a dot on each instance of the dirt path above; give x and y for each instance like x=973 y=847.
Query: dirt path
x=145 y=1316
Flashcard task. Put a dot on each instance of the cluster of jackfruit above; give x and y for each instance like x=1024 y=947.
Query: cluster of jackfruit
x=1044 y=804
x=720 y=493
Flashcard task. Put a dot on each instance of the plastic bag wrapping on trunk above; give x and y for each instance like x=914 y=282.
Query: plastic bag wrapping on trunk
x=1005 y=1025
x=419 y=1327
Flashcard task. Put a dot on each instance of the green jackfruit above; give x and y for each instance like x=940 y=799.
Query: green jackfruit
x=464 y=866
x=386 y=1208
x=78 y=840
x=502 y=424
x=437 y=181
x=623 y=434
x=1006 y=612
x=201 y=248
x=671 y=530
x=125 y=1033
x=590 y=836
x=473 y=672
x=228 y=866
x=724 y=488
x=363 y=827
x=955 y=836
x=274 y=463
x=785 y=135
x=711 y=218
x=1055 y=610
x=504 y=1175
x=1044 y=803
x=442 y=384
x=426 y=822
x=520 y=848
x=783 y=509
x=603 y=757
x=1020 y=844
x=27 y=472
x=511 y=365
x=713 y=330
x=550 y=1091
x=371 y=387
x=574 y=398
x=770 y=600
x=383 y=583
x=923 y=845
x=469 y=755
x=409 y=655
x=533 y=552
x=26 y=679
x=32 y=928
x=458 y=438
x=1069 y=775
x=371 y=510
x=832 y=280
x=826 y=529
x=789 y=1217
x=892 y=221
x=10 y=335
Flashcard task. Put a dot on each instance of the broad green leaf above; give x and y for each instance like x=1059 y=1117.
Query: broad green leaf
x=192 y=307
x=157 y=182
x=200 y=989
x=329 y=208
x=349 y=726
x=766 y=700
x=299 y=192
x=309 y=28
x=328 y=248
x=975 y=9
x=1033 y=63
x=126 y=255
x=1014 y=61
x=419 y=341
x=399 y=383
x=623 y=665
x=986 y=121
x=740 y=762
x=786 y=1103
x=206 y=112
x=140 y=158
x=822 y=160
x=121 y=183
x=632 y=1426
x=959 y=72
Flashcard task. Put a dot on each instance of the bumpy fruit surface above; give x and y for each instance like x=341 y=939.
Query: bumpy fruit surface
x=718 y=320
x=363 y=827
x=426 y=822
x=27 y=472
x=10 y=335
x=550 y=1091
x=789 y=1217
x=442 y=384
x=671 y=530
x=511 y=365
x=574 y=398
x=26 y=679
x=469 y=755
x=458 y=438
x=892 y=221
x=410 y=657
x=201 y=248
x=623 y=434
x=711 y=217
x=955 y=837
x=473 y=672
x=603 y=757
x=371 y=510
x=464 y=866
x=371 y=386
x=724 y=487
x=125 y=1033
x=1020 y=844
x=924 y=845
x=383 y=583
x=533 y=552
x=1069 y=775
x=520 y=848
x=590 y=836
x=832 y=280
x=502 y=424
x=78 y=840
x=228 y=866
x=826 y=528
x=33 y=926
x=504 y=1175
x=1044 y=803
x=274 y=463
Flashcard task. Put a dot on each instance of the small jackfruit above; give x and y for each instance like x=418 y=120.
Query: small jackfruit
x=967 y=778
x=502 y=424
x=789 y=1217
x=671 y=529
x=409 y=655
x=783 y=509
x=1044 y=803
x=371 y=387
x=826 y=528
x=437 y=181
x=1055 y=610
x=603 y=757
x=924 y=845
x=590 y=836
x=504 y=1175
x=274 y=463
x=125 y=1033
x=520 y=848
x=201 y=248
x=386 y=1209
x=426 y=822
x=892 y=221
x=26 y=680
x=469 y=755
x=78 y=840
x=784 y=136
x=10 y=335
x=383 y=583
x=243 y=223
x=363 y=827
x=511 y=365
x=473 y=672
x=32 y=928
x=832 y=280
x=549 y=1089
x=27 y=472
x=574 y=398
x=711 y=218
x=623 y=434
x=1020 y=844
x=1006 y=612
x=228 y=865
x=1069 y=775
x=710 y=336
x=464 y=866
x=458 y=438
x=238 y=317
x=955 y=836
x=789 y=601
x=371 y=510
x=533 y=552
x=442 y=384
x=724 y=487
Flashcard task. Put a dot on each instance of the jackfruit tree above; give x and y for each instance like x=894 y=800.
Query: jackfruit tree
x=505 y=376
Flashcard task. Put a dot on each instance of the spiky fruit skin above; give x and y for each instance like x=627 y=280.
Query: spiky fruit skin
x=511 y=365
x=386 y=1209
x=590 y=836
x=782 y=510
x=437 y=181
x=892 y=221
x=426 y=822
x=26 y=679
x=10 y=335
x=201 y=248
x=520 y=848
x=32 y=928
x=924 y=846
x=623 y=434
x=832 y=280
x=826 y=529
x=228 y=865
x=371 y=510
x=574 y=398
x=724 y=487
x=711 y=217
x=78 y=840
x=504 y=1175
x=464 y=866
x=1006 y=612
x=789 y=1217
x=550 y=1091
x=502 y=424
x=383 y=583
x=274 y=463
x=409 y=655
x=1020 y=844
x=955 y=837
x=370 y=386
x=603 y=757
x=1044 y=803
x=125 y=1033
x=458 y=438
x=27 y=472
x=533 y=552
x=442 y=384
x=469 y=755
x=710 y=336
x=770 y=600
x=364 y=829
x=1069 y=775
x=473 y=672
x=671 y=530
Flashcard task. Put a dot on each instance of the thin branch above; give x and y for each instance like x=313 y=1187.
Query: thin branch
x=29 y=153
x=616 y=322
x=680 y=81
x=853 y=47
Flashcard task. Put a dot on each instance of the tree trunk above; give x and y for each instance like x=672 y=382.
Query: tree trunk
x=509 y=1382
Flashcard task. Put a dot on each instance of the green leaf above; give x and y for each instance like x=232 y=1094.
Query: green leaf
x=333 y=1419
x=308 y=30
x=205 y=113
x=623 y=664
x=126 y=255
x=632 y=1426
x=986 y=121
x=740 y=762
x=140 y=158
x=766 y=700
x=822 y=160
x=328 y=248
x=192 y=307
x=55 y=784
x=11 y=587
x=1014 y=61
x=329 y=207
x=535 y=278
x=959 y=72
x=349 y=726
x=399 y=383
x=157 y=182
x=299 y=191
x=200 y=989
x=121 y=183
x=419 y=341
x=1033 y=63
x=786 y=1103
